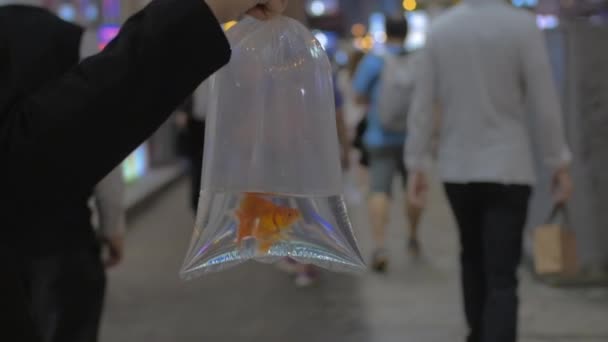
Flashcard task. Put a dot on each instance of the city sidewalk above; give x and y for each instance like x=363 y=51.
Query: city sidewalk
x=416 y=301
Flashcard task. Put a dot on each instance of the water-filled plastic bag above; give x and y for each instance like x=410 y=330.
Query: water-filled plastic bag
x=272 y=182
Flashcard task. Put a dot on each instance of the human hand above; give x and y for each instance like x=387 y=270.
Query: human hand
x=417 y=189
x=115 y=249
x=266 y=9
x=562 y=186
x=226 y=10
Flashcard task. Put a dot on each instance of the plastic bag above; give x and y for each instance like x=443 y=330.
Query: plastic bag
x=272 y=181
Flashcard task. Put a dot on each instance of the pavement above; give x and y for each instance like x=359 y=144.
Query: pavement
x=418 y=300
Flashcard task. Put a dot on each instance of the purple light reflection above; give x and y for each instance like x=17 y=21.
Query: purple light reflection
x=106 y=34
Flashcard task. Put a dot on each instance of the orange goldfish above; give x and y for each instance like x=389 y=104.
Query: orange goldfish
x=263 y=220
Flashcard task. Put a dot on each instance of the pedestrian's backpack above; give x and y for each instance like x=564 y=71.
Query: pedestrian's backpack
x=396 y=91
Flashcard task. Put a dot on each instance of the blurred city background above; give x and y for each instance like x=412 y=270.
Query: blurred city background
x=418 y=300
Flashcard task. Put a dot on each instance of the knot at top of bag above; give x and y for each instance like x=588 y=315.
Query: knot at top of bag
x=279 y=45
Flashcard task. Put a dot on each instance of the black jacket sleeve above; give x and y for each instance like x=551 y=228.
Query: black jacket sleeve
x=69 y=135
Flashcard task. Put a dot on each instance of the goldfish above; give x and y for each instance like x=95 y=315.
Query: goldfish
x=263 y=220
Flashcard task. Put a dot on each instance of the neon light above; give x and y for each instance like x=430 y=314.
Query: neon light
x=106 y=34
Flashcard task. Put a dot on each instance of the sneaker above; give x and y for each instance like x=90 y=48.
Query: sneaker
x=379 y=261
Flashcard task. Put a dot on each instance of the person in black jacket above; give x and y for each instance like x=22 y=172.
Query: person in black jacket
x=54 y=128
x=65 y=273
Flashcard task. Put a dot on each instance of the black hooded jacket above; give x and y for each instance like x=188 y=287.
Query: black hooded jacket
x=61 y=133
x=42 y=49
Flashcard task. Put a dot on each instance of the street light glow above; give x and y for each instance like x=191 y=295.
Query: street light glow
x=317 y=8
x=410 y=5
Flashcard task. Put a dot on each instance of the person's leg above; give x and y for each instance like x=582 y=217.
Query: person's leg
x=504 y=221
x=412 y=213
x=362 y=172
x=363 y=167
x=196 y=132
x=379 y=204
x=381 y=173
x=464 y=201
x=82 y=290
x=196 y=171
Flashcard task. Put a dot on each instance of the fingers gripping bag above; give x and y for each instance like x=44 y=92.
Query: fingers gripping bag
x=272 y=182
